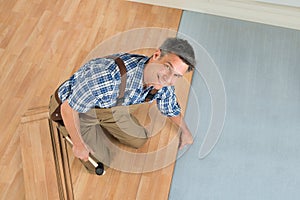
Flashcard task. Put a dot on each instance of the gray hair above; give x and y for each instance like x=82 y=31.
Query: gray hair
x=182 y=49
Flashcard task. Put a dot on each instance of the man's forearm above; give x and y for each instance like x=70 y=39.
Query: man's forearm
x=186 y=136
x=178 y=120
x=71 y=121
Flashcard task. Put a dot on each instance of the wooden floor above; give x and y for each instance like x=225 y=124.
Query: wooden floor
x=42 y=42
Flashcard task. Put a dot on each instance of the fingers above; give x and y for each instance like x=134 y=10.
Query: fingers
x=85 y=159
x=90 y=150
x=182 y=145
x=81 y=152
x=183 y=141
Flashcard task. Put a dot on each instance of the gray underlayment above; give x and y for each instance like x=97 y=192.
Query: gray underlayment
x=257 y=155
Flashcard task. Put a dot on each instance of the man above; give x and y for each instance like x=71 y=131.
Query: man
x=97 y=85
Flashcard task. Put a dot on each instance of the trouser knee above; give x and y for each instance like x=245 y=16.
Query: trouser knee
x=135 y=141
x=139 y=142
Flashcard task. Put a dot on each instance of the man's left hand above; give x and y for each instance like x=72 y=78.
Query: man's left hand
x=186 y=138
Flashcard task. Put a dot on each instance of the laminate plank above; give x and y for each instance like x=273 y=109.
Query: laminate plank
x=37 y=160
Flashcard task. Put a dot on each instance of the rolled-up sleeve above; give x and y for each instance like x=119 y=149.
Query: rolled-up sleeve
x=167 y=102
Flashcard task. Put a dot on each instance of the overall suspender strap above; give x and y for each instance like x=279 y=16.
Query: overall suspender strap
x=123 y=71
x=150 y=95
x=122 y=86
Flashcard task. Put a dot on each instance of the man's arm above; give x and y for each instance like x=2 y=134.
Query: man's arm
x=71 y=121
x=186 y=136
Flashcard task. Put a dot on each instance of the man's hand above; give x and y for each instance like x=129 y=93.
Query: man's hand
x=81 y=151
x=186 y=138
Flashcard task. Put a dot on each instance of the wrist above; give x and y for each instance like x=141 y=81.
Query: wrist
x=184 y=130
x=79 y=144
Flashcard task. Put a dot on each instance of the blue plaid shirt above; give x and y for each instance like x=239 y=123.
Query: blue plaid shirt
x=96 y=84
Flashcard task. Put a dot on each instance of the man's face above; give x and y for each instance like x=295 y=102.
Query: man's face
x=164 y=71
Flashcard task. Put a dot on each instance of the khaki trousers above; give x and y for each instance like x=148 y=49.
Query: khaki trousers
x=102 y=128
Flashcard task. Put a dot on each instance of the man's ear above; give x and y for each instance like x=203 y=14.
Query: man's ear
x=156 y=54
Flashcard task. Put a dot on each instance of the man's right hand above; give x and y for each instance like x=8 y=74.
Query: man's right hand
x=81 y=151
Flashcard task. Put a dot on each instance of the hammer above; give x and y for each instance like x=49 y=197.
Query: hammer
x=99 y=167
